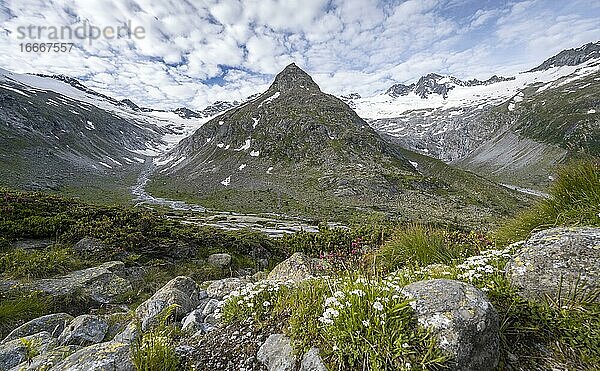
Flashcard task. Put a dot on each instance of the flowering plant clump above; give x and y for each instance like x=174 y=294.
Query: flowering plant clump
x=481 y=269
x=255 y=301
x=368 y=320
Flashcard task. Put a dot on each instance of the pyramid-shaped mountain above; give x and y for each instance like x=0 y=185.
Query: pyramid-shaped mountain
x=294 y=150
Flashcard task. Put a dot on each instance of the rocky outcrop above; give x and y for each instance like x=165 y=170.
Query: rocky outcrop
x=54 y=324
x=558 y=261
x=312 y=361
x=14 y=352
x=297 y=267
x=180 y=291
x=220 y=260
x=101 y=284
x=571 y=57
x=277 y=354
x=84 y=330
x=462 y=319
x=219 y=289
x=109 y=356
x=193 y=321
x=46 y=360
x=90 y=245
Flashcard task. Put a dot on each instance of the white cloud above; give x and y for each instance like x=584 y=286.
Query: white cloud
x=195 y=53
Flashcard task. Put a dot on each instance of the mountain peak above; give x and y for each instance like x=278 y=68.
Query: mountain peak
x=292 y=78
x=571 y=57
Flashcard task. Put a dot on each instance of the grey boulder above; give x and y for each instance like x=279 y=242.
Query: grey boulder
x=46 y=360
x=128 y=335
x=296 y=268
x=192 y=323
x=180 y=291
x=84 y=330
x=90 y=245
x=101 y=284
x=276 y=353
x=312 y=361
x=17 y=351
x=54 y=324
x=463 y=320
x=108 y=356
x=220 y=260
x=220 y=288
x=557 y=260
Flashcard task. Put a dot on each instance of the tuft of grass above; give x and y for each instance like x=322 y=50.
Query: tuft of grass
x=32 y=264
x=574 y=200
x=154 y=350
x=32 y=348
x=423 y=245
x=17 y=308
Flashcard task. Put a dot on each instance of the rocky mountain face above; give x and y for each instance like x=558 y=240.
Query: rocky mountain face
x=59 y=135
x=297 y=150
x=517 y=130
x=291 y=138
x=51 y=142
x=436 y=84
x=571 y=57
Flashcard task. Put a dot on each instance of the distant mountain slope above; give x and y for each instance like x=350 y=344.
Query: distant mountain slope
x=297 y=150
x=489 y=128
x=545 y=126
x=58 y=135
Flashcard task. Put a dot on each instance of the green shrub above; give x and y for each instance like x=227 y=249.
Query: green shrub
x=574 y=200
x=334 y=239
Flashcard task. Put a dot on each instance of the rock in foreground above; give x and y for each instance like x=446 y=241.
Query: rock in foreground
x=54 y=324
x=557 y=260
x=297 y=267
x=180 y=291
x=109 y=356
x=101 y=284
x=463 y=320
x=277 y=353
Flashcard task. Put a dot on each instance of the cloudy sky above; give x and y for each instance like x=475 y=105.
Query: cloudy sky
x=198 y=51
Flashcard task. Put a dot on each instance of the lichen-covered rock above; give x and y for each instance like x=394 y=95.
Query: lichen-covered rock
x=463 y=320
x=84 y=330
x=567 y=256
x=90 y=245
x=220 y=260
x=101 y=284
x=117 y=323
x=297 y=267
x=47 y=360
x=54 y=324
x=181 y=291
x=312 y=361
x=109 y=356
x=220 y=288
x=192 y=323
x=277 y=354
x=128 y=335
x=15 y=351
